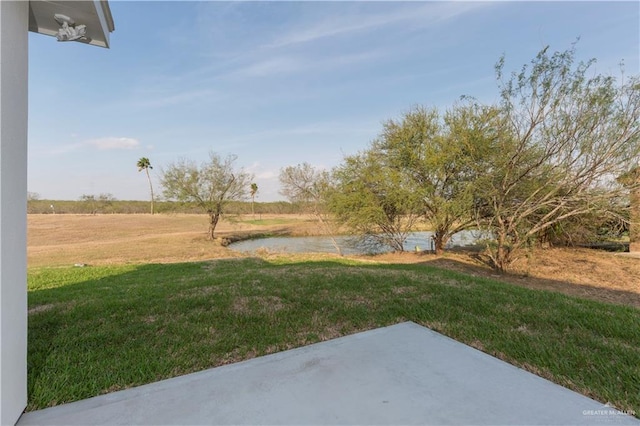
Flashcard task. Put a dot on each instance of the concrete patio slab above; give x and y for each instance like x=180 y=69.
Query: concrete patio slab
x=403 y=374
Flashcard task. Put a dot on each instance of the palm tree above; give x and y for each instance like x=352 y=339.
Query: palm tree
x=145 y=164
x=254 y=190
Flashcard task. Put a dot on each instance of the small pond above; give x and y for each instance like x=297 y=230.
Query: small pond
x=422 y=240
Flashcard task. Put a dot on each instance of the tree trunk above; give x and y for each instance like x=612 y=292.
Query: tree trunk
x=439 y=241
x=213 y=222
x=151 y=189
x=327 y=229
x=396 y=244
x=501 y=258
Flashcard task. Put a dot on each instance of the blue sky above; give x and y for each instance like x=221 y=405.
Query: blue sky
x=279 y=83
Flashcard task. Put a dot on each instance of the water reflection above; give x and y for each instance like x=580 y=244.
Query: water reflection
x=348 y=245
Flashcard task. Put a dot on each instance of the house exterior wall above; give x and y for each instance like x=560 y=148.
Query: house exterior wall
x=14 y=18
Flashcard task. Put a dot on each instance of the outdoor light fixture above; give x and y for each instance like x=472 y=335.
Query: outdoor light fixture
x=69 y=31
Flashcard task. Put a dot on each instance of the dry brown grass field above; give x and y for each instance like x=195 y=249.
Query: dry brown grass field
x=57 y=240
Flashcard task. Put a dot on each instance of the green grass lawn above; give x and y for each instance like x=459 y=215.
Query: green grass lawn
x=99 y=329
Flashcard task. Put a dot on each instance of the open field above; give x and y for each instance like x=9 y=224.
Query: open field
x=123 y=238
x=58 y=240
x=158 y=300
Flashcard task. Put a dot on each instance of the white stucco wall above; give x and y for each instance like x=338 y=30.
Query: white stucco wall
x=14 y=18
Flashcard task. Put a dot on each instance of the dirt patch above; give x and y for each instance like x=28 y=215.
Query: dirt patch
x=195 y=293
x=41 y=308
x=586 y=273
x=403 y=290
x=258 y=304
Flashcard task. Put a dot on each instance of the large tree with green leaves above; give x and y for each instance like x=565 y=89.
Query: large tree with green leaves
x=563 y=136
x=437 y=154
x=211 y=185
x=377 y=202
x=145 y=164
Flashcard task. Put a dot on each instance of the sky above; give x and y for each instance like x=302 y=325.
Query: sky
x=280 y=83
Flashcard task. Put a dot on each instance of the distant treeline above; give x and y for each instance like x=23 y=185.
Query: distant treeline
x=141 y=207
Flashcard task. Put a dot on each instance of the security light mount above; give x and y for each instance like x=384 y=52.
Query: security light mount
x=68 y=30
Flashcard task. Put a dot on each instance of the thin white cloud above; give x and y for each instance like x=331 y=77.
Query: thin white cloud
x=101 y=144
x=173 y=96
x=267 y=175
x=260 y=172
x=328 y=129
x=110 y=143
x=270 y=66
x=430 y=13
x=268 y=56
x=291 y=51
x=63 y=149
x=280 y=65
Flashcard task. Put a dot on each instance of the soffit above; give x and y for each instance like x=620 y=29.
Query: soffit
x=96 y=15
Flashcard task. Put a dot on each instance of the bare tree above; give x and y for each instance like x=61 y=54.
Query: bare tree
x=211 y=185
x=309 y=186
